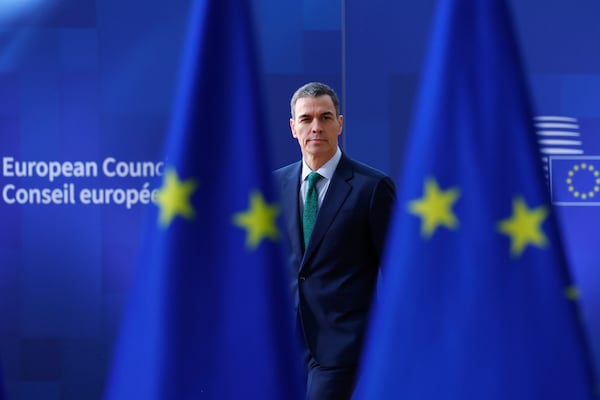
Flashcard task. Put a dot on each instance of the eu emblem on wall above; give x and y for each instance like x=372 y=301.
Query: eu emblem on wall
x=573 y=176
x=575 y=180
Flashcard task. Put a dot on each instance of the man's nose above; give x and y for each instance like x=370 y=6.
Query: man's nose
x=316 y=126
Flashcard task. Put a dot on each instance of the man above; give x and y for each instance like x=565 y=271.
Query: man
x=335 y=257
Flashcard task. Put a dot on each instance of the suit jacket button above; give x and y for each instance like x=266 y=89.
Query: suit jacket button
x=302 y=278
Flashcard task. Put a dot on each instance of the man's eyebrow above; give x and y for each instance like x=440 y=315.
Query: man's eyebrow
x=323 y=114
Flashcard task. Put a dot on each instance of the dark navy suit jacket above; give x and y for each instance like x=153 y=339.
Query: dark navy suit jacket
x=335 y=277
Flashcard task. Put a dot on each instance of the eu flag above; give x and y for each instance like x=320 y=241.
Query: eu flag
x=476 y=301
x=575 y=180
x=209 y=316
x=2 y=394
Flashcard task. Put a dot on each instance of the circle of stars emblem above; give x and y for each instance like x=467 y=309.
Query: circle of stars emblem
x=581 y=169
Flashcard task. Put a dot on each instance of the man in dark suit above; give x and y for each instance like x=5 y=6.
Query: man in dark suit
x=335 y=226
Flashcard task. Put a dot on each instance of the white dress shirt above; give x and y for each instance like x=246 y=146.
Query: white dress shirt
x=326 y=171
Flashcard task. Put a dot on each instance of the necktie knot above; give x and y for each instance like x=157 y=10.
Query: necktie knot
x=311 y=206
x=313 y=178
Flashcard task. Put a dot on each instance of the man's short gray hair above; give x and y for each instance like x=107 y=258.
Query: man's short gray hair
x=315 y=89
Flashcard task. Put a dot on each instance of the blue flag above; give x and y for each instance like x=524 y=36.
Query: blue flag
x=209 y=315
x=2 y=394
x=476 y=301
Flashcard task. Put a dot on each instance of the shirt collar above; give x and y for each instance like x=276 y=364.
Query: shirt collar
x=327 y=170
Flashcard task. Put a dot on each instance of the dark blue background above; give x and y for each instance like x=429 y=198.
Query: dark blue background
x=88 y=79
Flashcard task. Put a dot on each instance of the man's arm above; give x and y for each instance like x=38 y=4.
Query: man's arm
x=381 y=211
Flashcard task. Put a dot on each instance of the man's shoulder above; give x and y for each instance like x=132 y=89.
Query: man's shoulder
x=367 y=176
x=287 y=170
x=364 y=169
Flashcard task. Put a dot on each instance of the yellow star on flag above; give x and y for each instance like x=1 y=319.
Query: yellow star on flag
x=174 y=198
x=572 y=293
x=524 y=227
x=259 y=220
x=435 y=208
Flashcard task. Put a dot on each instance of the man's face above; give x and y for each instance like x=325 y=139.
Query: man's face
x=316 y=127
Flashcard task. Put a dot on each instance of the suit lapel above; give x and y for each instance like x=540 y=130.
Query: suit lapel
x=290 y=199
x=338 y=191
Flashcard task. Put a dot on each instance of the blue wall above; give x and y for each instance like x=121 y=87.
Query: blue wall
x=90 y=79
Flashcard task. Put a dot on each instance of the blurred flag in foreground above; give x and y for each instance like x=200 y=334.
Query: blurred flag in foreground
x=209 y=316
x=476 y=300
x=2 y=394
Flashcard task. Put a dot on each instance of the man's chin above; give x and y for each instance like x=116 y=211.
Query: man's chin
x=318 y=145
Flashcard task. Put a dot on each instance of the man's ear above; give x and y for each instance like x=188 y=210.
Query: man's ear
x=293 y=127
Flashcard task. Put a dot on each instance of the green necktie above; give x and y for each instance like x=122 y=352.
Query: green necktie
x=311 y=206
